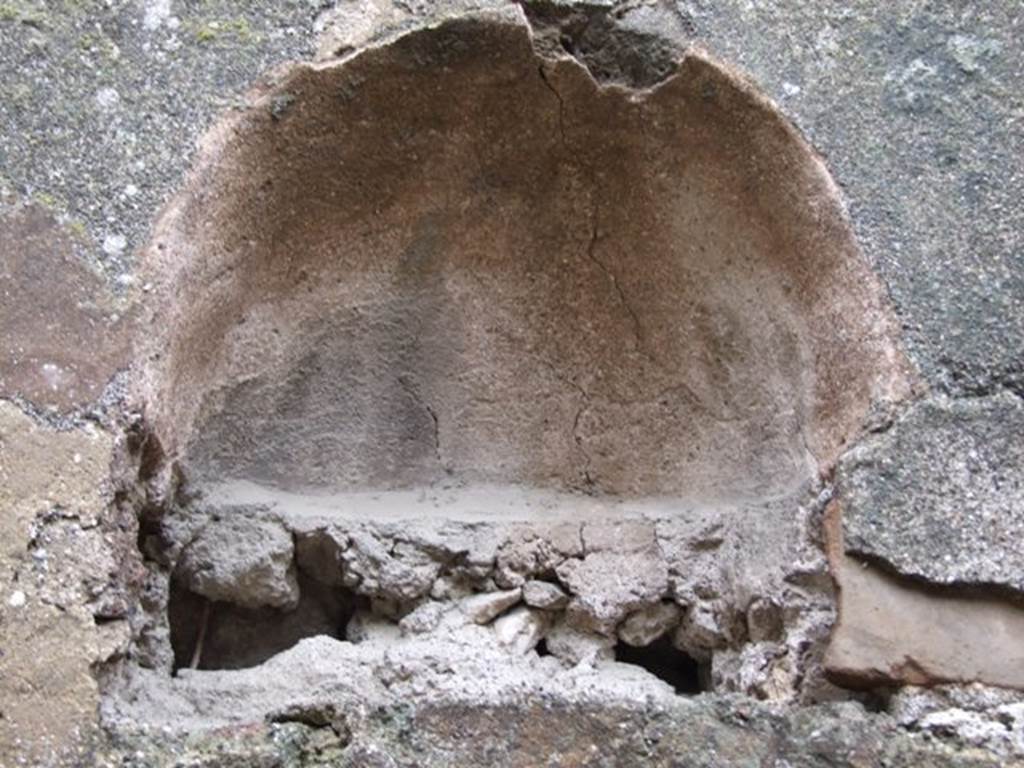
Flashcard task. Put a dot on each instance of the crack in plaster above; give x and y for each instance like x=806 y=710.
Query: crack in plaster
x=415 y=395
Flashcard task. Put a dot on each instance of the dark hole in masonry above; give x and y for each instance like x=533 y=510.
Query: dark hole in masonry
x=235 y=637
x=665 y=661
x=542 y=648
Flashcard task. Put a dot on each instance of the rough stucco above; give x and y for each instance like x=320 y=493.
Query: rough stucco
x=51 y=496
x=701 y=732
x=917 y=109
x=914 y=108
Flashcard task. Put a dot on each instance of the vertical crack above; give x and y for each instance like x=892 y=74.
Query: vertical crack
x=589 y=483
x=588 y=479
x=410 y=390
x=638 y=329
x=561 y=102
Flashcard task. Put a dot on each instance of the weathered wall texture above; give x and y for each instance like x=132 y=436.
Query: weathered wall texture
x=508 y=274
x=57 y=562
x=845 y=573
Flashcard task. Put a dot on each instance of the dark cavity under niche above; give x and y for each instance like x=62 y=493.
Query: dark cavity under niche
x=663 y=660
x=235 y=637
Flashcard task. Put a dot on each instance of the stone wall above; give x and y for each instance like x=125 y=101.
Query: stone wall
x=626 y=383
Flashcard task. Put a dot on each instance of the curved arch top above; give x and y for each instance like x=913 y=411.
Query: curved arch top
x=448 y=259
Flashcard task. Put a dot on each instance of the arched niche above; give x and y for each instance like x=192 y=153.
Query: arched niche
x=451 y=260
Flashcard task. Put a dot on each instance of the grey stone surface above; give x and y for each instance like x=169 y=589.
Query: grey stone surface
x=940 y=495
x=574 y=719
x=991 y=719
x=544 y=594
x=916 y=108
x=101 y=103
x=245 y=561
x=486 y=607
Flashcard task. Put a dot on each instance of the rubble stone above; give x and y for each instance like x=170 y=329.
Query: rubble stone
x=544 y=594
x=607 y=586
x=243 y=561
x=486 y=607
x=645 y=626
x=522 y=628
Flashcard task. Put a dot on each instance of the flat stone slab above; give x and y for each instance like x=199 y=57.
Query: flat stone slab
x=890 y=632
x=940 y=495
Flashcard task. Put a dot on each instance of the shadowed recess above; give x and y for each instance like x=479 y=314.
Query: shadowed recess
x=663 y=660
x=209 y=634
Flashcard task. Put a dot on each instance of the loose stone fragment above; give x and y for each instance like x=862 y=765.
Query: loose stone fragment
x=486 y=607
x=244 y=561
x=765 y=670
x=764 y=620
x=376 y=568
x=573 y=646
x=700 y=631
x=424 y=619
x=318 y=553
x=606 y=586
x=448 y=588
x=544 y=594
x=521 y=629
x=531 y=551
x=645 y=626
